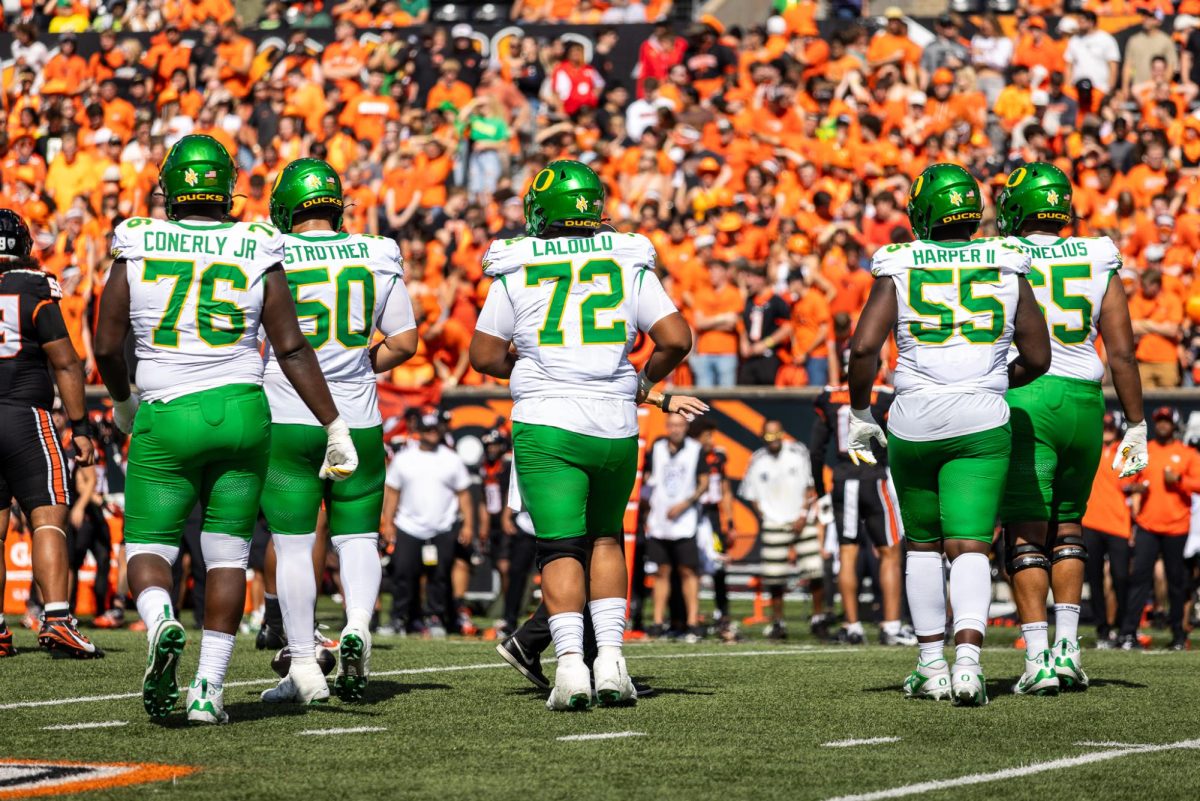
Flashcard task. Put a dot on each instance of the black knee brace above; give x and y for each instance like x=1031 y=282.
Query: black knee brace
x=1026 y=556
x=577 y=548
x=1069 y=547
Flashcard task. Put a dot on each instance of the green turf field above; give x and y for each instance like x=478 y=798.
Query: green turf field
x=751 y=721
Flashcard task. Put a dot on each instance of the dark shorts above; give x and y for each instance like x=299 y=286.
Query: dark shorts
x=673 y=553
x=865 y=508
x=33 y=468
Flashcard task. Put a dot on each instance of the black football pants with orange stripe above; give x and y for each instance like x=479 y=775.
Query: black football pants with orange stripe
x=33 y=468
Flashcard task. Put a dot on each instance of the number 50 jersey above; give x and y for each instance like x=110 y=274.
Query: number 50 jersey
x=573 y=306
x=957 y=303
x=346 y=287
x=195 y=301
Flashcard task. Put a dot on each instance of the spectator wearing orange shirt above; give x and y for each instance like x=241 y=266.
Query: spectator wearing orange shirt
x=119 y=113
x=235 y=57
x=367 y=114
x=1015 y=102
x=892 y=46
x=717 y=307
x=166 y=55
x=449 y=89
x=68 y=66
x=1107 y=530
x=344 y=59
x=1166 y=488
x=1158 y=324
x=811 y=319
x=1149 y=178
x=107 y=59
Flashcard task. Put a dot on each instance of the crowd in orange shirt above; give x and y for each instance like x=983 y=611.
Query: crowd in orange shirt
x=775 y=149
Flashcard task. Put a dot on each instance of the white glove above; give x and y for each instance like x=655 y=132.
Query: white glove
x=124 y=412
x=341 y=460
x=863 y=429
x=1132 y=452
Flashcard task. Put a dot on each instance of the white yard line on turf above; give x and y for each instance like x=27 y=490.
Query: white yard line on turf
x=1107 y=744
x=575 y=738
x=867 y=741
x=797 y=651
x=104 y=724
x=1014 y=773
x=353 y=730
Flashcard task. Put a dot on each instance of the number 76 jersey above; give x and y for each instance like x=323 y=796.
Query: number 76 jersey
x=195 y=301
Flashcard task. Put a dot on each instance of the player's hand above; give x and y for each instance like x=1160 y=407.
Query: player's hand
x=863 y=429
x=85 y=449
x=1133 y=456
x=686 y=405
x=124 y=412
x=341 y=460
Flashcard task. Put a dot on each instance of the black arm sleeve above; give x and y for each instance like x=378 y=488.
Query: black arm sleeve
x=49 y=323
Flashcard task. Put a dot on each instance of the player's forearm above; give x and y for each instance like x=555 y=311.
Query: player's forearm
x=1128 y=384
x=863 y=367
x=393 y=351
x=302 y=370
x=69 y=379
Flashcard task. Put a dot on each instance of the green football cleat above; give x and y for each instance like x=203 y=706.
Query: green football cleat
x=968 y=686
x=160 y=688
x=355 y=652
x=1039 y=677
x=1068 y=666
x=206 y=703
x=930 y=681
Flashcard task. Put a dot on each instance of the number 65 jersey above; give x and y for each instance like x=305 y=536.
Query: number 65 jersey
x=195 y=301
x=573 y=306
x=957 y=302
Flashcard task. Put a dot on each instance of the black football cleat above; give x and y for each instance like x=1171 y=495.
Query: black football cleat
x=269 y=639
x=528 y=665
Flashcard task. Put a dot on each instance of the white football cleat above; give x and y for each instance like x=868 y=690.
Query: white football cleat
x=572 y=688
x=304 y=684
x=613 y=685
x=931 y=680
x=1068 y=665
x=354 y=664
x=967 y=685
x=1039 y=677
x=206 y=703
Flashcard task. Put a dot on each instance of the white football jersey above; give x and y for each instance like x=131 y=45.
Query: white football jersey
x=195 y=301
x=346 y=287
x=1069 y=277
x=573 y=306
x=957 y=302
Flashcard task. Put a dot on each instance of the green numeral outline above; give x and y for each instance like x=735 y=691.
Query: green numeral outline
x=987 y=304
x=355 y=274
x=551 y=333
x=614 y=334
x=938 y=334
x=315 y=309
x=210 y=306
x=166 y=333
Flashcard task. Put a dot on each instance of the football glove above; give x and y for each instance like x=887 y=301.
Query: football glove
x=1132 y=453
x=341 y=460
x=863 y=429
x=124 y=412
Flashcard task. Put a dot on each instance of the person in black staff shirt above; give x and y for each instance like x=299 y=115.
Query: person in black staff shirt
x=864 y=507
x=765 y=327
x=34 y=345
x=509 y=535
x=716 y=507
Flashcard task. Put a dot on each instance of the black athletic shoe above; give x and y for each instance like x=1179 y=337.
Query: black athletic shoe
x=1128 y=642
x=644 y=691
x=527 y=664
x=269 y=639
x=1178 y=643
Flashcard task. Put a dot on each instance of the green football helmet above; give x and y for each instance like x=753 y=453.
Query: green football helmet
x=566 y=193
x=305 y=184
x=943 y=194
x=197 y=169
x=1036 y=191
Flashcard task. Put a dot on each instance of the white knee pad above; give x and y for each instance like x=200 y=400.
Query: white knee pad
x=224 y=550
x=168 y=553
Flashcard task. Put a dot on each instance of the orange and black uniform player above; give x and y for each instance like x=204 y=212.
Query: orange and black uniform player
x=765 y=328
x=1163 y=521
x=1107 y=532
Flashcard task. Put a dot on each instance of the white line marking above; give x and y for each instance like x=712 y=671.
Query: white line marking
x=867 y=741
x=104 y=724
x=353 y=730
x=1013 y=773
x=575 y=738
x=798 y=651
x=1108 y=744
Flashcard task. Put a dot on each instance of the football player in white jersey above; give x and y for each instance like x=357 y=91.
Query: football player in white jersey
x=195 y=290
x=346 y=287
x=1058 y=420
x=560 y=318
x=955 y=306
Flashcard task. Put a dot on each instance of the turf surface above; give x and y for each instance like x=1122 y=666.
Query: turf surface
x=729 y=721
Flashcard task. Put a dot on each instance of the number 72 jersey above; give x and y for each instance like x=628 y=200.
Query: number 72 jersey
x=195 y=301
x=1069 y=278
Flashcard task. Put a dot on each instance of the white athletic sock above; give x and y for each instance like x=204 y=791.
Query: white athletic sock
x=965 y=654
x=926 y=587
x=854 y=628
x=56 y=608
x=154 y=604
x=1 y=620
x=608 y=620
x=891 y=627
x=970 y=591
x=297 y=590
x=358 y=555
x=567 y=630
x=216 y=649
x=1066 y=622
x=932 y=651
x=1037 y=639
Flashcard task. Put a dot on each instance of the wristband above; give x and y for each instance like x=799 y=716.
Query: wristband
x=666 y=402
x=82 y=427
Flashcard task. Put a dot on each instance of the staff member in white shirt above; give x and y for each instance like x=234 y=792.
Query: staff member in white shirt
x=425 y=504
x=779 y=487
x=672 y=519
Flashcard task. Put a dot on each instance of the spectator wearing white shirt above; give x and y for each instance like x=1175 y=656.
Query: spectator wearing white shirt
x=425 y=504
x=778 y=485
x=1092 y=55
x=643 y=112
x=624 y=12
x=991 y=55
